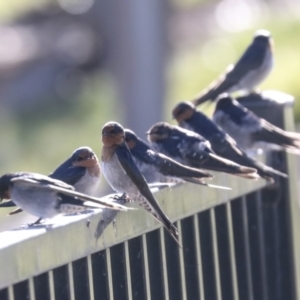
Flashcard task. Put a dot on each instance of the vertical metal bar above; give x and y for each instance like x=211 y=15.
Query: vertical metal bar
x=215 y=253
x=11 y=292
x=90 y=277
x=293 y=205
x=198 y=257
x=71 y=281
x=31 y=289
x=232 y=252
x=146 y=267
x=127 y=267
x=164 y=263
x=247 y=247
x=51 y=285
x=109 y=275
x=181 y=264
x=262 y=249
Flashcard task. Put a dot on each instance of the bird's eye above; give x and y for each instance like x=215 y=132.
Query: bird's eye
x=79 y=158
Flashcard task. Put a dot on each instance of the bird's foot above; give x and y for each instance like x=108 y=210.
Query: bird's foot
x=38 y=221
x=122 y=198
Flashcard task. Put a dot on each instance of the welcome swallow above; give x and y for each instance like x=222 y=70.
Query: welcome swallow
x=82 y=170
x=250 y=130
x=46 y=197
x=191 y=149
x=123 y=175
x=249 y=71
x=157 y=167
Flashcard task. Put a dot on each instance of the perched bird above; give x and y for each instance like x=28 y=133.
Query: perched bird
x=82 y=170
x=191 y=149
x=157 y=167
x=223 y=145
x=249 y=71
x=248 y=129
x=123 y=175
x=46 y=197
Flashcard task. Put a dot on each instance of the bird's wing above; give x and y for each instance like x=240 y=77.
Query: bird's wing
x=128 y=165
x=274 y=135
x=68 y=173
x=39 y=180
x=251 y=59
x=169 y=167
x=52 y=185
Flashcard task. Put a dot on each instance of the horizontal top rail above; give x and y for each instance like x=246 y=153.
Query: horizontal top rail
x=30 y=251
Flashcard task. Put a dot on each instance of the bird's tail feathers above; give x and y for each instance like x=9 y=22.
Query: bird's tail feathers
x=221 y=164
x=201 y=182
x=268 y=173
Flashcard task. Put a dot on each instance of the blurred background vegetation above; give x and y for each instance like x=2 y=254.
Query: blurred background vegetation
x=56 y=87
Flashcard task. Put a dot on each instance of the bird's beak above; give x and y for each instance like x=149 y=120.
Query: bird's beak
x=148 y=132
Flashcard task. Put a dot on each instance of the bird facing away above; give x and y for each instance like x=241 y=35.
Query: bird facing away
x=45 y=197
x=250 y=70
x=191 y=149
x=157 y=167
x=249 y=130
x=123 y=175
x=223 y=145
x=82 y=170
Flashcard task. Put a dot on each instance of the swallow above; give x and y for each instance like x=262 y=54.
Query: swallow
x=250 y=70
x=124 y=177
x=45 y=197
x=82 y=170
x=248 y=129
x=223 y=144
x=157 y=167
x=191 y=149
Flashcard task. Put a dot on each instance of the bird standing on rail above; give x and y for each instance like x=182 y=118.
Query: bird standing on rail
x=157 y=167
x=191 y=149
x=249 y=130
x=249 y=71
x=46 y=197
x=82 y=170
x=223 y=145
x=124 y=176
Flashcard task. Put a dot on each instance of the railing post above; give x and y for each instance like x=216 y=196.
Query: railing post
x=281 y=211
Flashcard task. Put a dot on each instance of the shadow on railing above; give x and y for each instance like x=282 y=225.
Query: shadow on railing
x=238 y=244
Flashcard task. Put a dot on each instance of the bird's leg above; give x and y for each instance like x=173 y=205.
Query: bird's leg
x=38 y=221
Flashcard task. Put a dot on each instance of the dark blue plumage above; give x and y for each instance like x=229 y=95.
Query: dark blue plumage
x=223 y=145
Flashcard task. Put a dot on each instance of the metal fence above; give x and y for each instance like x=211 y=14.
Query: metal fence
x=239 y=244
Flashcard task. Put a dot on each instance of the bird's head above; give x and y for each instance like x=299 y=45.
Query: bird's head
x=131 y=138
x=112 y=134
x=263 y=36
x=224 y=101
x=183 y=111
x=84 y=157
x=159 y=131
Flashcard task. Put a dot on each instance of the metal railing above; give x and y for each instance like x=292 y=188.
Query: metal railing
x=239 y=244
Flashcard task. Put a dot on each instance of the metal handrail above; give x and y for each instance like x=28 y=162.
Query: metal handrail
x=28 y=252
